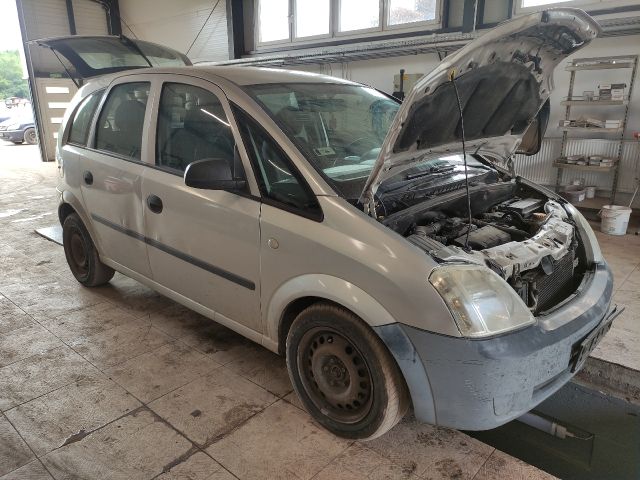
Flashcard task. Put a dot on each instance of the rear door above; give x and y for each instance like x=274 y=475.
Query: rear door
x=203 y=244
x=111 y=172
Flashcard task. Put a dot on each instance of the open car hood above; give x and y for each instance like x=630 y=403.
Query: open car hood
x=92 y=56
x=504 y=80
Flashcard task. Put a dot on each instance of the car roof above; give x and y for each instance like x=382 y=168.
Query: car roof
x=241 y=75
x=238 y=75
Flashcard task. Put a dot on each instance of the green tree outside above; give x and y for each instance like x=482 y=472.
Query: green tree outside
x=11 y=82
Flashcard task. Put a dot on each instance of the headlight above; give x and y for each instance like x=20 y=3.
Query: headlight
x=481 y=302
x=591 y=246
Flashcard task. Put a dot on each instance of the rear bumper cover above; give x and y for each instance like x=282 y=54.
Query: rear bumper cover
x=481 y=384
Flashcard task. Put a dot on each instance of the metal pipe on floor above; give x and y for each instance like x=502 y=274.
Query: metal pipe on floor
x=544 y=425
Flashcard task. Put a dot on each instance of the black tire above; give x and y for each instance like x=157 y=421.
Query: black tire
x=328 y=348
x=82 y=255
x=30 y=136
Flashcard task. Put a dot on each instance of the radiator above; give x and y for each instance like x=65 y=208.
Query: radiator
x=553 y=287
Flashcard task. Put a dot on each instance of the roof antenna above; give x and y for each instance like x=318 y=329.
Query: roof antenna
x=452 y=75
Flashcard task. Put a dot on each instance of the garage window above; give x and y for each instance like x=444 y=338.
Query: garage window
x=82 y=119
x=361 y=15
x=403 y=12
x=524 y=6
x=283 y=21
x=312 y=18
x=273 y=18
x=119 y=127
x=192 y=126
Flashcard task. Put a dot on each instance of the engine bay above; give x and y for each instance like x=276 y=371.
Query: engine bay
x=526 y=238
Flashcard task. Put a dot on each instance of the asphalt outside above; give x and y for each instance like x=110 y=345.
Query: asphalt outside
x=119 y=382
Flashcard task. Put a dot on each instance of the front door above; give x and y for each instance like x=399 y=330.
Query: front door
x=203 y=244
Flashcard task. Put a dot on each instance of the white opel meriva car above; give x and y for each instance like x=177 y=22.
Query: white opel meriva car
x=343 y=229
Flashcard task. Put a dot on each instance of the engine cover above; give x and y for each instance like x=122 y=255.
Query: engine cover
x=484 y=237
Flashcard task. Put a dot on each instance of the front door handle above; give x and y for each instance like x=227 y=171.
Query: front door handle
x=88 y=177
x=154 y=203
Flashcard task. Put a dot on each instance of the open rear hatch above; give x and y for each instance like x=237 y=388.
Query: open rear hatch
x=504 y=79
x=92 y=56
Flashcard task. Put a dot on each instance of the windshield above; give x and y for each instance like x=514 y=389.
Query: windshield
x=339 y=128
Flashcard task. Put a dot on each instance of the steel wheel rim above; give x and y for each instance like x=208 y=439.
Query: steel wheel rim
x=31 y=136
x=78 y=253
x=335 y=375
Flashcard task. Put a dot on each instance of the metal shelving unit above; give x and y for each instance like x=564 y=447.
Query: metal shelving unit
x=596 y=63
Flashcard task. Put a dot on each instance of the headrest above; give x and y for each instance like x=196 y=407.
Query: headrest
x=129 y=115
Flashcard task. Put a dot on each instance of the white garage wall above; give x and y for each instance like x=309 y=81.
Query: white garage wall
x=176 y=24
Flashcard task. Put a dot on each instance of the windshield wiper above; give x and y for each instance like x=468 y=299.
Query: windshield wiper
x=434 y=169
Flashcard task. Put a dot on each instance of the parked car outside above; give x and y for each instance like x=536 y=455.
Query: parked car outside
x=342 y=229
x=19 y=127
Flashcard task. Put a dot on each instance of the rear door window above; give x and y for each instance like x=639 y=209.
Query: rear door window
x=120 y=124
x=83 y=115
x=192 y=126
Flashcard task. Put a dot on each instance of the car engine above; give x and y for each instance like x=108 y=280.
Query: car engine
x=528 y=241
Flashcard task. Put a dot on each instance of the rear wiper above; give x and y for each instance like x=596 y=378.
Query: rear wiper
x=434 y=169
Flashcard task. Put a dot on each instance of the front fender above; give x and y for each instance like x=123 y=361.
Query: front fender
x=327 y=287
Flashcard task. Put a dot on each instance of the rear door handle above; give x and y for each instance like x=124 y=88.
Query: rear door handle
x=154 y=203
x=88 y=177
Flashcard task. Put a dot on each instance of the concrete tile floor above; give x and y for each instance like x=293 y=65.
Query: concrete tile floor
x=120 y=383
x=621 y=345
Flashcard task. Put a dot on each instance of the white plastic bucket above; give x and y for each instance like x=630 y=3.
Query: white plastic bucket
x=615 y=219
x=591 y=192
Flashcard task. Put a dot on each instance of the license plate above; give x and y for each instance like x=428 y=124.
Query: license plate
x=590 y=342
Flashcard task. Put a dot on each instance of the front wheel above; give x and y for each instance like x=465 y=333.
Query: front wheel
x=82 y=255
x=344 y=374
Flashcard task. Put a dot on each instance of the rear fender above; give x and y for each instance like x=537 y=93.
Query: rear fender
x=70 y=199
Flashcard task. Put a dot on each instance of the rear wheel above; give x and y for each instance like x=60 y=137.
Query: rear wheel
x=30 y=136
x=82 y=255
x=343 y=373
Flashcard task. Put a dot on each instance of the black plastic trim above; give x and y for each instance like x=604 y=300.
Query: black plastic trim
x=232 y=277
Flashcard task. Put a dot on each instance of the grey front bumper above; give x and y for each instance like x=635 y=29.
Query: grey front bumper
x=481 y=384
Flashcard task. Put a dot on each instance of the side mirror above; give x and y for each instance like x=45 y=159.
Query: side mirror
x=532 y=139
x=213 y=174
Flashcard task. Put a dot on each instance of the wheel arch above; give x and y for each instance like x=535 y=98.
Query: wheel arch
x=71 y=204
x=298 y=293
